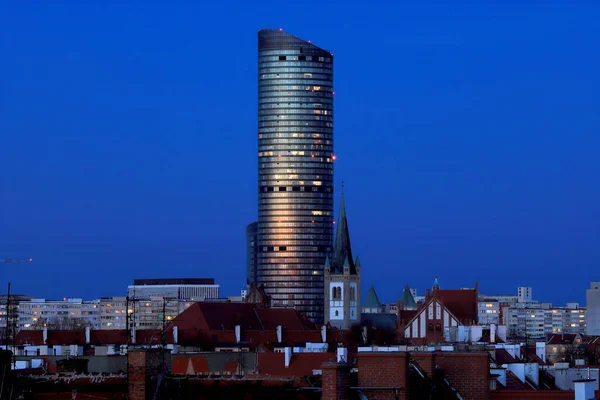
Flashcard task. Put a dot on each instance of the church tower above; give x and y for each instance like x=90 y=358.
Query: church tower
x=342 y=278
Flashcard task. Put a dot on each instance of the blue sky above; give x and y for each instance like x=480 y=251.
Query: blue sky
x=467 y=135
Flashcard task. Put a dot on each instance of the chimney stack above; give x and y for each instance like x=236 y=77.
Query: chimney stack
x=324 y=334
x=45 y=335
x=175 y=334
x=279 y=333
x=364 y=335
x=87 y=334
x=288 y=355
x=133 y=335
x=342 y=355
x=238 y=333
x=493 y=333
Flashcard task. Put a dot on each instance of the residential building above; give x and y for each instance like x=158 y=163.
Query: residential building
x=146 y=313
x=59 y=314
x=174 y=288
x=251 y=253
x=113 y=312
x=538 y=320
x=9 y=315
x=488 y=312
x=526 y=322
x=342 y=278
x=593 y=308
x=524 y=294
x=295 y=170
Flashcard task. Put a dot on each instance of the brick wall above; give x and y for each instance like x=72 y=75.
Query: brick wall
x=426 y=361
x=379 y=370
x=336 y=381
x=468 y=373
x=143 y=366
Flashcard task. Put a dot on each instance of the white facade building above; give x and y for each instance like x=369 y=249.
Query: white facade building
x=488 y=312
x=524 y=294
x=60 y=314
x=537 y=320
x=593 y=309
x=180 y=289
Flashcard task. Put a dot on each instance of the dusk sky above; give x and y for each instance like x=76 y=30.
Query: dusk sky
x=467 y=135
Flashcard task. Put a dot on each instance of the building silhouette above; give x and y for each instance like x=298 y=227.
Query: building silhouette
x=295 y=170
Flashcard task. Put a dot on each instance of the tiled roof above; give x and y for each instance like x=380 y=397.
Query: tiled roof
x=301 y=364
x=461 y=303
x=29 y=337
x=112 y=336
x=214 y=316
x=566 y=338
x=406 y=315
x=287 y=317
x=501 y=356
x=371 y=300
x=514 y=383
x=407 y=298
x=97 y=337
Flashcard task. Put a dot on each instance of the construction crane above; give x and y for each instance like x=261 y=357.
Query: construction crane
x=16 y=260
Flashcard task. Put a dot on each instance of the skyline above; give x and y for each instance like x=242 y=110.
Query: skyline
x=480 y=126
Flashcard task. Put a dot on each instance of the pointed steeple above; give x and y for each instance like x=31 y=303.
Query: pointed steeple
x=327 y=263
x=436 y=284
x=372 y=300
x=342 y=249
x=407 y=298
x=346 y=262
x=357 y=262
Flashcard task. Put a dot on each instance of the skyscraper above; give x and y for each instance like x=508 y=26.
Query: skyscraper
x=295 y=169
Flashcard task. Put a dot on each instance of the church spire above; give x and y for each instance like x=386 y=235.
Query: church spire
x=342 y=250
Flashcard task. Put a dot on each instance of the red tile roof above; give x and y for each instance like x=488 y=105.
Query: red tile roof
x=301 y=364
x=215 y=316
x=514 y=383
x=461 y=303
x=502 y=356
x=191 y=365
x=34 y=338
x=287 y=317
x=112 y=336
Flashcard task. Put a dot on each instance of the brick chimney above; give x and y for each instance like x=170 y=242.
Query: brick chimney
x=336 y=381
x=142 y=366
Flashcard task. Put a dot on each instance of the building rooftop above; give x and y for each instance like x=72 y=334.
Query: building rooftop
x=371 y=300
x=174 y=281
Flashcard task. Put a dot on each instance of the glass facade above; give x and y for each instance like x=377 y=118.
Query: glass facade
x=251 y=254
x=295 y=170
